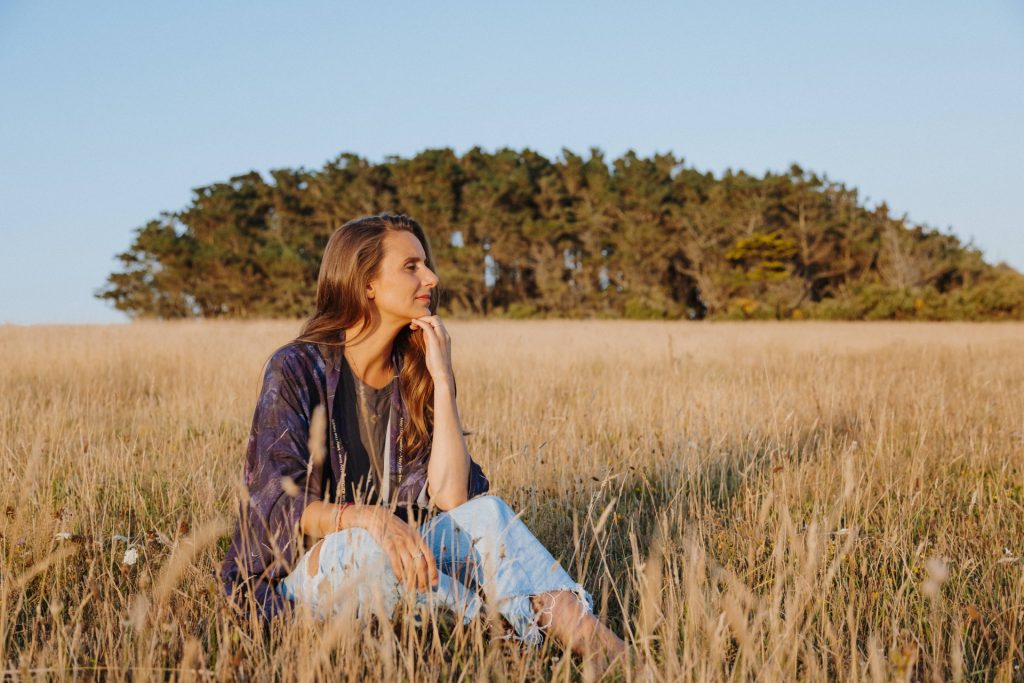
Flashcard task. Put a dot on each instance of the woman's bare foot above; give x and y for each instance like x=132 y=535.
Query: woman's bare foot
x=567 y=619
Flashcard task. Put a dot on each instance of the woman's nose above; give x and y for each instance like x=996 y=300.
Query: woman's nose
x=432 y=280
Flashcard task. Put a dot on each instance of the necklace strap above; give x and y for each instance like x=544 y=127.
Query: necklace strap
x=342 y=494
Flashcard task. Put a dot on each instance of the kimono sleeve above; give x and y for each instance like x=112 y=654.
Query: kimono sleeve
x=478 y=484
x=280 y=475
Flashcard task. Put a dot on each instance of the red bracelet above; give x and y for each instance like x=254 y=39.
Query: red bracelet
x=341 y=510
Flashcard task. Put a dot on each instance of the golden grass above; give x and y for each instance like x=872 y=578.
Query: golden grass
x=744 y=501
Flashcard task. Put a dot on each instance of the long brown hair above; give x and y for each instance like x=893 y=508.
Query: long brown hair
x=351 y=259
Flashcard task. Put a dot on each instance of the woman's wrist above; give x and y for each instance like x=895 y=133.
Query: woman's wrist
x=353 y=516
x=339 y=516
x=335 y=517
x=444 y=381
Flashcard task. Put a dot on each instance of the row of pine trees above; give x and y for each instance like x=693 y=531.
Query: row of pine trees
x=519 y=235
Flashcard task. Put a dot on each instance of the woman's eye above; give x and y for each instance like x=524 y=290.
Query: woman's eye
x=411 y=266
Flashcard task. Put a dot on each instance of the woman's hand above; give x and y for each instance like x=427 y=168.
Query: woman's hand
x=410 y=556
x=439 y=346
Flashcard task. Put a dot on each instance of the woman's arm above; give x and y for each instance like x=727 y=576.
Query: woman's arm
x=279 y=476
x=318 y=519
x=411 y=558
x=449 y=464
x=448 y=467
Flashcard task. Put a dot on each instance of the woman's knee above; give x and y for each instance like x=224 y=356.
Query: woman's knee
x=355 y=538
x=345 y=549
x=487 y=506
x=482 y=513
x=357 y=574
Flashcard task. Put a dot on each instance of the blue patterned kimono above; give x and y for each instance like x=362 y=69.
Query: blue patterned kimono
x=266 y=543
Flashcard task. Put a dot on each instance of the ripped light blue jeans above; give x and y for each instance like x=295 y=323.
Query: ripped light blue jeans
x=480 y=546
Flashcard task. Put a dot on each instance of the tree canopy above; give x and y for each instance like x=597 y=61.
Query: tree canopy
x=519 y=235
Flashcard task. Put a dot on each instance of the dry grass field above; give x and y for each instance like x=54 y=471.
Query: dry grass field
x=771 y=502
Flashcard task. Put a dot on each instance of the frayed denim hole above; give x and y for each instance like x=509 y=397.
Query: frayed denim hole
x=526 y=622
x=318 y=550
x=518 y=611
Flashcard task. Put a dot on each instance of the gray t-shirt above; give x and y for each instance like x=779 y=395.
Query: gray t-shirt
x=363 y=430
x=373 y=406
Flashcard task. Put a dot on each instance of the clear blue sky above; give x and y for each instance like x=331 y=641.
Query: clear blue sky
x=113 y=112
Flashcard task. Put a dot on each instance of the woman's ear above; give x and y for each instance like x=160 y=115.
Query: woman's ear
x=369 y=290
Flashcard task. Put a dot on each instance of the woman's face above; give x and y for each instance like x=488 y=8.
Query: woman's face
x=402 y=288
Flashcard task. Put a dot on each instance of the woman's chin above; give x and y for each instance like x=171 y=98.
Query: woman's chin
x=417 y=311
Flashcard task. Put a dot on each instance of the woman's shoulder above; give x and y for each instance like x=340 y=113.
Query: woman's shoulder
x=295 y=350
x=296 y=358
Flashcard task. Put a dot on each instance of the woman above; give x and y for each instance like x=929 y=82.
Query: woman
x=370 y=375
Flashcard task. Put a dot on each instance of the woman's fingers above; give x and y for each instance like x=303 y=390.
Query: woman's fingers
x=395 y=557
x=438 y=345
x=410 y=568
x=422 y=572
x=435 y=328
x=430 y=336
x=393 y=532
x=434 y=323
x=421 y=560
x=431 y=561
x=427 y=326
x=411 y=558
x=442 y=330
